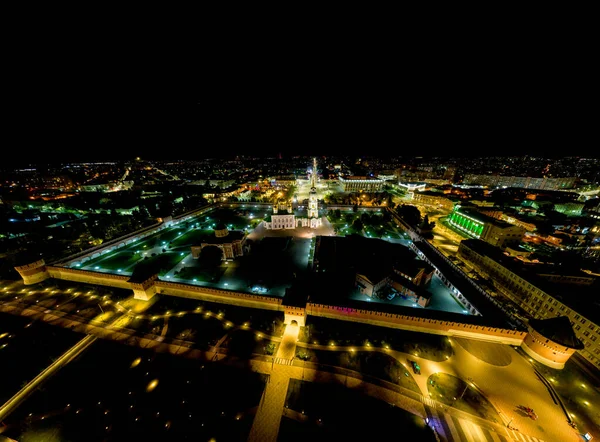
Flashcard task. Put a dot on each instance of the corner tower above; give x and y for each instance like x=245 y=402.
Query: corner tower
x=551 y=341
x=33 y=272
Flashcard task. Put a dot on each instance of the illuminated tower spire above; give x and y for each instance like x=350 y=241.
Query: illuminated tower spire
x=313 y=203
x=313 y=177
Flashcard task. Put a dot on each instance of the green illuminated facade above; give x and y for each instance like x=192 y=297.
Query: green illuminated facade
x=466 y=223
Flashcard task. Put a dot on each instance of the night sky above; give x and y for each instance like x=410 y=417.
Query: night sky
x=102 y=105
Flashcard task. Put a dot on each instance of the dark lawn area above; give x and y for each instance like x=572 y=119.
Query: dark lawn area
x=266 y=321
x=335 y=413
x=26 y=350
x=202 y=329
x=192 y=237
x=108 y=393
x=234 y=219
x=169 y=260
x=120 y=260
x=200 y=273
x=245 y=343
x=372 y=363
x=325 y=331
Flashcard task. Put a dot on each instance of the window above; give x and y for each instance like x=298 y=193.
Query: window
x=593 y=338
x=577 y=327
x=583 y=321
x=577 y=317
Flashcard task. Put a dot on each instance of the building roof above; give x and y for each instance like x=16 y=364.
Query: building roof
x=357 y=177
x=475 y=214
x=485 y=306
x=580 y=298
x=220 y=226
x=419 y=291
x=233 y=236
x=559 y=330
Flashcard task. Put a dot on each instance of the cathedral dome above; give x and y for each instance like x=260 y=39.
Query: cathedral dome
x=221 y=230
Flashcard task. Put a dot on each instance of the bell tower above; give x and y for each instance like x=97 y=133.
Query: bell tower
x=313 y=204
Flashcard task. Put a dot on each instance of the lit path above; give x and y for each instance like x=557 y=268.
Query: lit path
x=265 y=427
x=26 y=391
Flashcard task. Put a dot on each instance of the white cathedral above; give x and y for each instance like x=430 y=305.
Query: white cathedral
x=283 y=216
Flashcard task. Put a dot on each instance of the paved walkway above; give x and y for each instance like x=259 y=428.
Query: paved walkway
x=265 y=427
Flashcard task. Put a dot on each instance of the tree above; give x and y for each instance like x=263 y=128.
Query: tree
x=410 y=214
x=211 y=256
x=337 y=213
x=355 y=208
x=358 y=225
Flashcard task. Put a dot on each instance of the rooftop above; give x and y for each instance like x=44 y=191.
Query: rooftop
x=558 y=330
x=485 y=306
x=358 y=177
x=233 y=236
x=483 y=218
x=583 y=299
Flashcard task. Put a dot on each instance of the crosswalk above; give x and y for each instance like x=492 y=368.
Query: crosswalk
x=283 y=361
x=454 y=429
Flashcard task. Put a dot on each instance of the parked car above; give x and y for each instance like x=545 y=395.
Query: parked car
x=416 y=368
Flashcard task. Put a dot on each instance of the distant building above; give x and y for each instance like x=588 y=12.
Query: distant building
x=287 y=219
x=232 y=243
x=361 y=184
x=283 y=217
x=542 y=296
x=433 y=199
x=412 y=186
x=569 y=209
x=480 y=226
x=520 y=182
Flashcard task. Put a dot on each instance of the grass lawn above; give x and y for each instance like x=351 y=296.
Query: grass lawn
x=376 y=227
x=201 y=274
x=236 y=219
x=325 y=331
x=459 y=394
x=331 y=412
x=372 y=363
x=170 y=260
x=120 y=260
x=192 y=237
